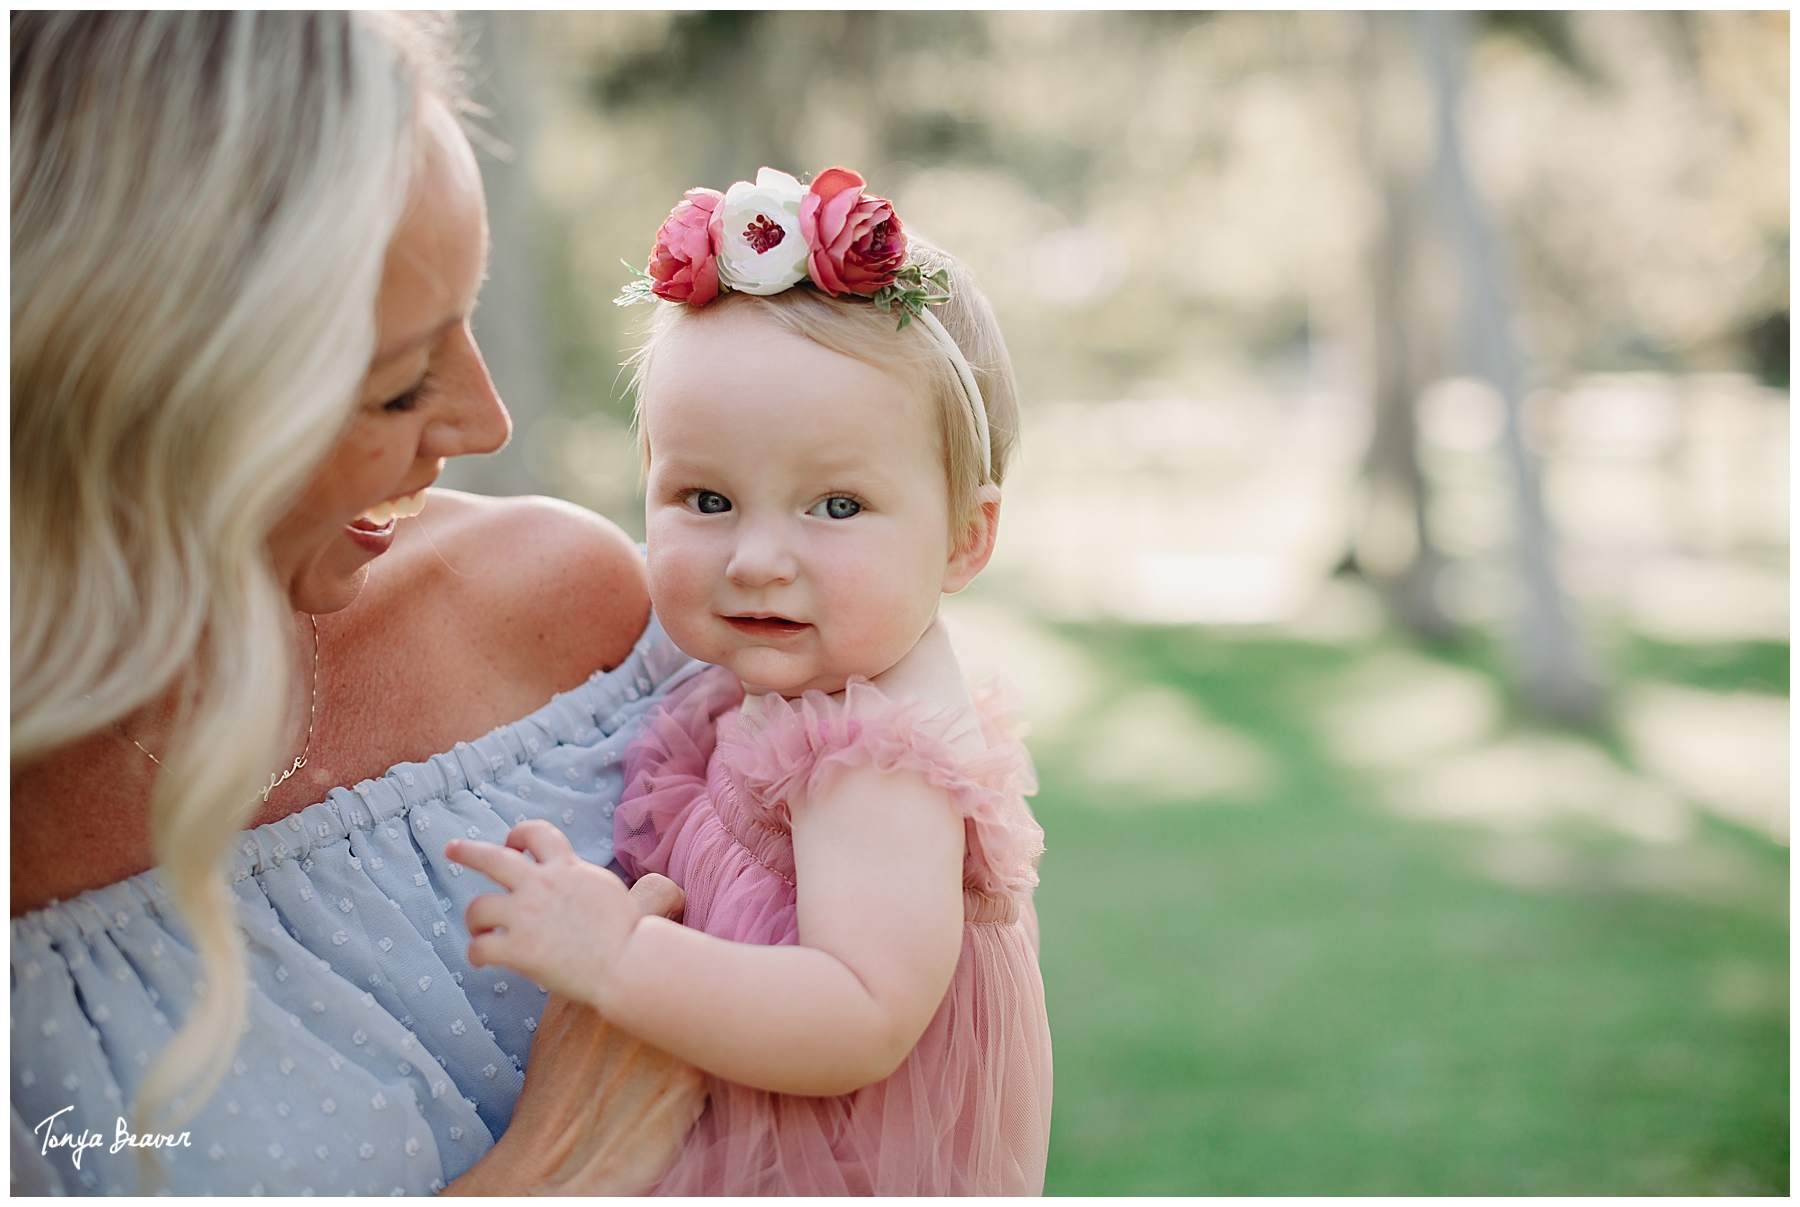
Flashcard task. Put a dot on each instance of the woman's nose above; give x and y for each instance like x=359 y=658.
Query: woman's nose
x=760 y=558
x=470 y=417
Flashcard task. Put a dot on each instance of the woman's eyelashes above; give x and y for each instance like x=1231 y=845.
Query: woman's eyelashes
x=837 y=507
x=413 y=397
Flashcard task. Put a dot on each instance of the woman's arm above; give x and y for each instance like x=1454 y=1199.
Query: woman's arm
x=878 y=860
x=601 y=1112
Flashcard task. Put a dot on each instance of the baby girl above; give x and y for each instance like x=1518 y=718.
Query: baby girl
x=826 y=411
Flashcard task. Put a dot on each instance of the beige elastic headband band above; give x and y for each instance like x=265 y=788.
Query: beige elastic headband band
x=971 y=391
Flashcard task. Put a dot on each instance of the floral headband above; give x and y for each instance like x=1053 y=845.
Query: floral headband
x=770 y=236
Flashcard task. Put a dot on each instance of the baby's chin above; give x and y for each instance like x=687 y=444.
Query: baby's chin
x=791 y=673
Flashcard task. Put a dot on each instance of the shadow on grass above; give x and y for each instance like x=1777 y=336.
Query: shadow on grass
x=1297 y=991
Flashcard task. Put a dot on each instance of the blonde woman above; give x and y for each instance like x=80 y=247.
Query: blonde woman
x=260 y=671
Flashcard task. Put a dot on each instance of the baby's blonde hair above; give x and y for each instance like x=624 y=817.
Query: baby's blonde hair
x=857 y=328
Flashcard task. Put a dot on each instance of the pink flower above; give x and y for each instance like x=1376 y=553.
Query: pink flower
x=856 y=242
x=684 y=263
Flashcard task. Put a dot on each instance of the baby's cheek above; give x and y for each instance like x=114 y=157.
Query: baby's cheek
x=673 y=567
x=672 y=592
x=885 y=621
x=683 y=611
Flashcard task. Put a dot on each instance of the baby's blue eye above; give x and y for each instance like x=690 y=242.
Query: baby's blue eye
x=837 y=507
x=710 y=502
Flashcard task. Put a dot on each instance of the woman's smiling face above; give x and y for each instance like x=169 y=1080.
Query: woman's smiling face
x=427 y=395
x=797 y=512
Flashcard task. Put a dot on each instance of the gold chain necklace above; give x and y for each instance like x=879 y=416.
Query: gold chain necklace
x=276 y=778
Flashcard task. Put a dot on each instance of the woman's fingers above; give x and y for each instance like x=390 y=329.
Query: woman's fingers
x=541 y=839
x=658 y=897
x=504 y=867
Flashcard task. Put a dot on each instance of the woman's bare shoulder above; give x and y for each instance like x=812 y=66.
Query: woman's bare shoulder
x=526 y=525
x=542 y=587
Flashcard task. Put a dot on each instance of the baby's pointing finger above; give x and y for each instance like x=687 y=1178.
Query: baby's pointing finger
x=487 y=912
x=487 y=949
x=543 y=840
x=504 y=867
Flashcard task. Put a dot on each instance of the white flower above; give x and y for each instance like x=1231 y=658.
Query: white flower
x=762 y=250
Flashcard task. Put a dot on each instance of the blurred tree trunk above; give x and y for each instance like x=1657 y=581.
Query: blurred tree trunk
x=732 y=54
x=513 y=322
x=1395 y=547
x=1549 y=666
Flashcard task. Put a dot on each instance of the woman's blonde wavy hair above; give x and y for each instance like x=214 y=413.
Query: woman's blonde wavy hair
x=201 y=206
x=858 y=328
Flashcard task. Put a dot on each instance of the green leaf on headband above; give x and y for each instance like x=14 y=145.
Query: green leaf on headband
x=912 y=290
x=637 y=290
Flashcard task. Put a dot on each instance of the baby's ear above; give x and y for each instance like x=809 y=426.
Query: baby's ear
x=976 y=546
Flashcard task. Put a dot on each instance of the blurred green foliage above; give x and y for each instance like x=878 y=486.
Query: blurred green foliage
x=1178 y=196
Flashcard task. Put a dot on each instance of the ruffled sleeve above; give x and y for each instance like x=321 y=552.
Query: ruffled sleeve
x=792 y=748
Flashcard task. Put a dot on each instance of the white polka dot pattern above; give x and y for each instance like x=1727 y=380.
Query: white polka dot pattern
x=326 y=1093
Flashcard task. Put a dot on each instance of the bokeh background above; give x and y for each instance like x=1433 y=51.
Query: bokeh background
x=1397 y=565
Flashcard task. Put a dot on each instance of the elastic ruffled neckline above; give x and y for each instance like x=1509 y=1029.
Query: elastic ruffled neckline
x=574 y=716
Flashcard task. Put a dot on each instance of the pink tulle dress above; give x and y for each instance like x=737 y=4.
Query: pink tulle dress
x=706 y=804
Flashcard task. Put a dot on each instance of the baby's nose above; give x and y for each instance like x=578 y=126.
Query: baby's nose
x=761 y=558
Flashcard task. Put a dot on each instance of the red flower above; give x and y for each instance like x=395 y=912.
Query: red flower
x=856 y=242
x=684 y=263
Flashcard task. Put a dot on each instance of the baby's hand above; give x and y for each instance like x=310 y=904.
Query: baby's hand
x=563 y=921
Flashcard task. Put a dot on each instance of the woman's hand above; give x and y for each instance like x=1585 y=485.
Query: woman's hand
x=601 y=1112
x=562 y=921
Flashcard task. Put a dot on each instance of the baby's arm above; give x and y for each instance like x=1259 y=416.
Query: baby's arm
x=878 y=861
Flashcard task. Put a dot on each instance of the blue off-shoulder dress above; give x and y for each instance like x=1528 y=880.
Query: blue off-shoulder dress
x=375 y=1060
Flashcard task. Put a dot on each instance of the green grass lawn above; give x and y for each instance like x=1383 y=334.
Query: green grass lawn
x=1300 y=991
